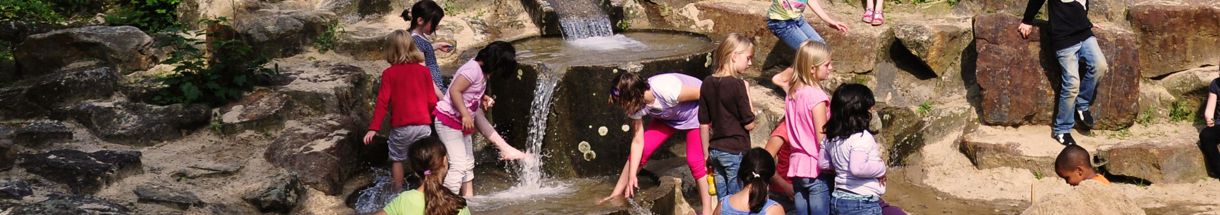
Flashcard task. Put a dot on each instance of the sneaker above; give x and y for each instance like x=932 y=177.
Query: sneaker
x=1065 y=139
x=1085 y=118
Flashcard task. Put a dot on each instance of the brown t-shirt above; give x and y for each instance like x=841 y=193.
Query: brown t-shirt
x=723 y=103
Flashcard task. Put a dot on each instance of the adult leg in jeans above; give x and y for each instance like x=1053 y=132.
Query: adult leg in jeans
x=812 y=196
x=1209 y=138
x=1095 y=66
x=1069 y=89
x=793 y=32
x=726 y=172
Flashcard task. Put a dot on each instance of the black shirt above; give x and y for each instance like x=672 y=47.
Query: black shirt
x=724 y=104
x=1069 y=22
x=1215 y=89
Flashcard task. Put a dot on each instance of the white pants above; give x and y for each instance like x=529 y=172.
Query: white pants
x=461 y=156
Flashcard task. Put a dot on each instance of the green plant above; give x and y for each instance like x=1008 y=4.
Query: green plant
x=214 y=79
x=6 y=51
x=924 y=108
x=329 y=38
x=28 y=10
x=1038 y=175
x=1122 y=133
x=1145 y=117
x=623 y=24
x=450 y=7
x=148 y=15
x=1180 y=111
x=953 y=2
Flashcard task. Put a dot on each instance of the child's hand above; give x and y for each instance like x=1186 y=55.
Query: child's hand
x=488 y=102
x=632 y=186
x=368 y=137
x=444 y=47
x=882 y=180
x=1025 y=29
x=1211 y=123
x=510 y=153
x=838 y=26
x=467 y=122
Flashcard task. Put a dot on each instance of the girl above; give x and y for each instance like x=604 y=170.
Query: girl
x=725 y=114
x=458 y=114
x=428 y=160
x=805 y=112
x=424 y=16
x=756 y=170
x=785 y=21
x=871 y=16
x=671 y=100
x=777 y=144
x=1209 y=137
x=407 y=93
x=853 y=153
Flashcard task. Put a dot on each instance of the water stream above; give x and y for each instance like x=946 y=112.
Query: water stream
x=582 y=19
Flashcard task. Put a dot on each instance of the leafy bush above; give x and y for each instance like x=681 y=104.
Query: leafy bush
x=28 y=10
x=329 y=37
x=215 y=79
x=148 y=15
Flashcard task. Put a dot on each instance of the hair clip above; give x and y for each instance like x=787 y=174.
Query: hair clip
x=614 y=91
x=755 y=174
x=427 y=172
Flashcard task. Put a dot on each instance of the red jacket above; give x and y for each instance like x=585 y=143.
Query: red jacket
x=407 y=94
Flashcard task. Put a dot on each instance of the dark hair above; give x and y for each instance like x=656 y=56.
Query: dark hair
x=756 y=170
x=850 y=105
x=426 y=9
x=498 y=58
x=628 y=92
x=1072 y=156
x=427 y=159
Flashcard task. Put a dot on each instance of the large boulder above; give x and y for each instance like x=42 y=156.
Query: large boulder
x=901 y=134
x=1117 y=100
x=363 y=42
x=15 y=189
x=939 y=46
x=72 y=204
x=41 y=132
x=323 y=151
x=157 y=194
x=280 y=195
x=262 y=110
x=318 y=88
x=125 y=47
x=1012 y=83
x=1190 y=83
x=139 y=123
x=83 y=172
x=277 y=34
x=38 y=96
x=1175 y=36
x=995 y=148
x=1173 y=160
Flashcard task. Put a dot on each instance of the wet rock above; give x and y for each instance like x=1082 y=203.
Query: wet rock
x=323 y=151
x=275 y=34
x=321 y=88
x=139 y=123
x=158 y=194
x=1012 y=84
x=72 y=204
x=1175 y=160
x=1190 y=83
x=80 y=171
x=15 y=189
x=206 y=171
x=280 y=196
x=39 y=96
x=1117 y=100
x=1164 y=44
x=901 y=133
x=125 y=47
x=41 y=132
x=262 y=110
x=939 y=46
x=988 y=151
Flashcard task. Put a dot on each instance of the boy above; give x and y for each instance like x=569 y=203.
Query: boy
x=1071 y=35
x=1073 y=166
x=1209 y=137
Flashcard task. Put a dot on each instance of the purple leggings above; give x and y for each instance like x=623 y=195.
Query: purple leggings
x=656 y=133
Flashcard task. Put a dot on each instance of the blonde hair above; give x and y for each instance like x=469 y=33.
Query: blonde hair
x=724 y=53
x=400 y=48
x=810 y=55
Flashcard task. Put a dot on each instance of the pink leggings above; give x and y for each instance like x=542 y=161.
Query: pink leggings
x=656 y=133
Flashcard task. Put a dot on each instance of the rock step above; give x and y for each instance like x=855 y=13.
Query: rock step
x=158 y=194
x=83 y=172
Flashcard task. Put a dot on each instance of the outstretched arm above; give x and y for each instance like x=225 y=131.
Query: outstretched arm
x=507 y=152
x=817 y=9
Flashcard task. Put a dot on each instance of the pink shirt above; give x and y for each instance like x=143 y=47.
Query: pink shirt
x=472 y=96
x=802 y=132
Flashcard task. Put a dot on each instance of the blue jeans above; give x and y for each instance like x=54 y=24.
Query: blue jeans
x=1077 y=92
x=812 y=195
x=725 y=172
x=793 y=31
x=850 y=204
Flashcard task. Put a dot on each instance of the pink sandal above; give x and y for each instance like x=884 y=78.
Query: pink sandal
x=878 y=19
x=868 y=16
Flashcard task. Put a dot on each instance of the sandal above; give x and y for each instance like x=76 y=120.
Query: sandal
x=868 y=16
x=878 y=19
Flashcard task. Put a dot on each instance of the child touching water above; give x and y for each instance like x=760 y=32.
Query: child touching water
x=806 y=111
x=406 y=93
x=853 y=153
x=424 y=16
x=725 y=114
x=458 y=114
x=428 y=160
x=671 y=100
x=756 y=169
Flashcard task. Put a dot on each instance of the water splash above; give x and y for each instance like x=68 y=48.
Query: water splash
x=375 y=197
x=582 y=19
x=636 y=209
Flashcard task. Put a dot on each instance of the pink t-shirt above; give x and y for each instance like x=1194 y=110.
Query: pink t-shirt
x=802 y=132
x=472 y=96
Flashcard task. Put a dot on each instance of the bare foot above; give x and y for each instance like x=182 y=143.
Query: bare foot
x=511 y=154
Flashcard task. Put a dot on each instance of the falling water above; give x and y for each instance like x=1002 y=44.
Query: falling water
x=582 y=19
x=530 y=169
x=375 y=197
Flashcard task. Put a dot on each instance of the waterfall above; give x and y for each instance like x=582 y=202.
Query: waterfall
x=582 y=19
x=530 y=169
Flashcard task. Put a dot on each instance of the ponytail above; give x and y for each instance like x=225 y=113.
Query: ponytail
x=757 y=167
x=428 y=161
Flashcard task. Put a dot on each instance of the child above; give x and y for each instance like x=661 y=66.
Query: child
x=407 y=94
x=756 y=170
x=424 y=16
x=1209 y=137
x=785 y=21
x=777 y=144
x=1073 y=166
x=725 y=114
x=871 y=16
x=853 y=153
x=428 y=160
x=1071 y=36
x=458 y=114
x=805 y=112
x=671 y=100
